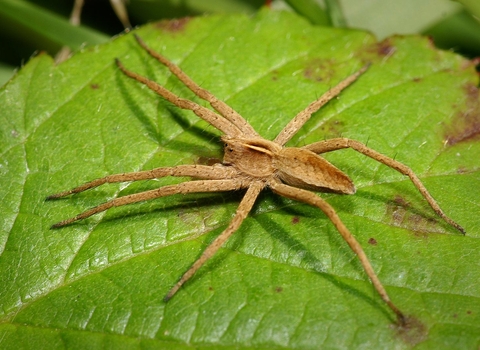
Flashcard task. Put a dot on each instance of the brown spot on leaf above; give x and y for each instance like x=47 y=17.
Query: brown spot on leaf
x=466 y=124
x=295 y=220
x=94 y=86
x=332 y=128
x=399 y=200
x=278 y=289
x=396 y=209
x=412 y=332
x=318 y=70
x=274 y=74
x=401 y=214
x=384 y=49
x=372 y=241
x=466 y=64
x=173 y=25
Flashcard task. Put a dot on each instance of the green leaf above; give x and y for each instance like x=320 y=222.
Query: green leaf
x=311 y=10
x=451 y=25
x=472 y=6
x=389 y=17
x=286 y=278
x=45 y=28
x=459 y=31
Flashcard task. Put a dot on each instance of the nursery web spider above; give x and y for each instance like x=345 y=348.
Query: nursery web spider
x=253 y=163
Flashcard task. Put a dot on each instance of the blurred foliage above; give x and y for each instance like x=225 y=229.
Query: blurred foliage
x=29 y=26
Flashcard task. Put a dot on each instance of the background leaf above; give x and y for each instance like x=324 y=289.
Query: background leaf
x=44 y=29
x=286 y=278
x=28 y=26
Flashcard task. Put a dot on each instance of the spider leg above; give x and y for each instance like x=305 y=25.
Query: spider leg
x=221 y=107
x=339 y=143
x=301 y=118
x=196 y=171
x=312 y=199
x=210 y=117
x=242 y=211
x=182 y=188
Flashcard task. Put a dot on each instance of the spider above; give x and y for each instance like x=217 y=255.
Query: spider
x=253 y=163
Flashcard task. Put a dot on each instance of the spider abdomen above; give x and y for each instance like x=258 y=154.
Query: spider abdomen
x=305 y=169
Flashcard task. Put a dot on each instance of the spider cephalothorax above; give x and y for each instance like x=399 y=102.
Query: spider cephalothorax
x=253 y=163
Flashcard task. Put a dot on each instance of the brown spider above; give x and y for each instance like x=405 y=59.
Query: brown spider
x=252 y=163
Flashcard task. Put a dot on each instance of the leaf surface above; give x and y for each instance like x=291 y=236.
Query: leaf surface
x=286 y=278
